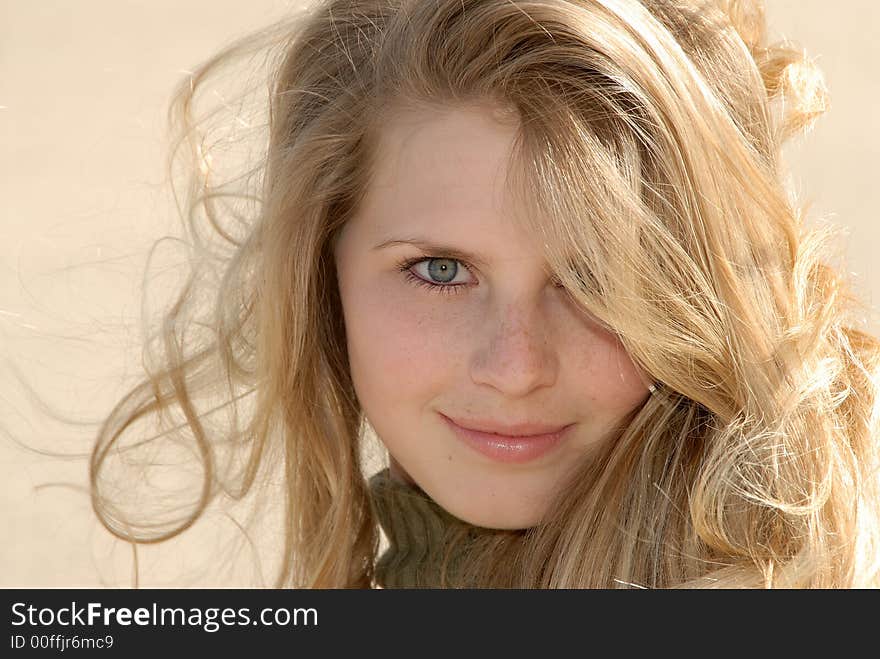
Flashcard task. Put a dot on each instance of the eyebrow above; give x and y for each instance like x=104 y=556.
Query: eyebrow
x=435 y=248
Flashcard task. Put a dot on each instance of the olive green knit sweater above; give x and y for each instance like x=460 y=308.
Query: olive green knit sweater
x=423 y=537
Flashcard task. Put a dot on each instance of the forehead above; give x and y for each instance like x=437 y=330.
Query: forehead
x=444 y=166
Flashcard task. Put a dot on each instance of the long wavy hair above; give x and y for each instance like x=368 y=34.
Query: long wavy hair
x=648 y=153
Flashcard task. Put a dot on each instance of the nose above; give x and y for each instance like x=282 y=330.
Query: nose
x=516 y=355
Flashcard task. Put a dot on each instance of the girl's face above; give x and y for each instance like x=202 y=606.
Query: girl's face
x=453 y=321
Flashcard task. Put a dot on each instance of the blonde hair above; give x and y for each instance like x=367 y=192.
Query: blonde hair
x=648 y=153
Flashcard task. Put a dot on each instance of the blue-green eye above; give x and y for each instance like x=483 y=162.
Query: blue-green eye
x=439 y=274
x=441 y=271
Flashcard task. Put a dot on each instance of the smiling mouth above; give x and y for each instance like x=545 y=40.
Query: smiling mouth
x=526 y=429
x=513 y=448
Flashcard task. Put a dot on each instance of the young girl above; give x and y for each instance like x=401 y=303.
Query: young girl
x=544 y=250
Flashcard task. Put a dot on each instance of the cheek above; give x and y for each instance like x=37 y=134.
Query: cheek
x=607 y=375
x=399 y=347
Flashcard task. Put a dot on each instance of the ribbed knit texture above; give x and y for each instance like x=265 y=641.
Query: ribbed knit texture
x=422 y=537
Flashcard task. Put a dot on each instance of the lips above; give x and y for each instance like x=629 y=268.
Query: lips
x=516 y=430
x=532 y=442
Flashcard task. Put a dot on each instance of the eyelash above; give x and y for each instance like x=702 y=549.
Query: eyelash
x=443 y=289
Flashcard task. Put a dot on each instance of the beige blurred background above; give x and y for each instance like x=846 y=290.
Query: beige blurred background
x=83 y=91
